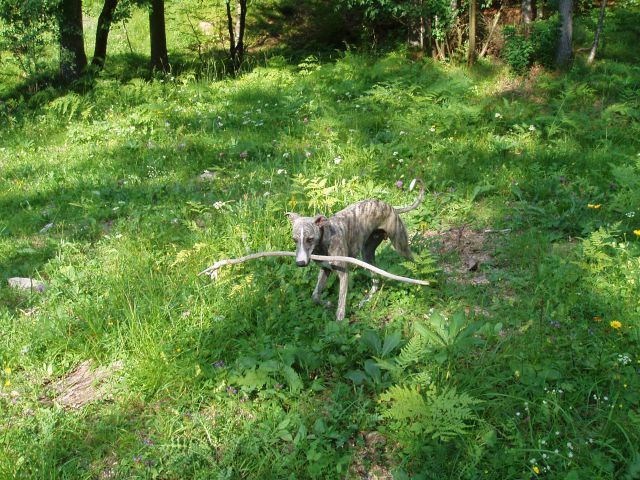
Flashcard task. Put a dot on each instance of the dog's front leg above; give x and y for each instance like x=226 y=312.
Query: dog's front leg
x=343 y=276
x=317 y=292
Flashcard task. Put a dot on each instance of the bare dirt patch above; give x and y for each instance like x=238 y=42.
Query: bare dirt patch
x=83 y=385
x=368 y=460
x=469 y=249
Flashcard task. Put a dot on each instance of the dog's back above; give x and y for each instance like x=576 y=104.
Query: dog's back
x=356 y=223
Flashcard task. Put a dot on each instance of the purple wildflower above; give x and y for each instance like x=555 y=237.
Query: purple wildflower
x=137 y=458
x=562 y=178
x=219 y=364
x=399 y=184
x=148 y=442
x=232 y=390
x=244 y=154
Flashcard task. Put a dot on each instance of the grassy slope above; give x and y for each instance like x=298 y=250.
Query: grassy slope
x=115 y=168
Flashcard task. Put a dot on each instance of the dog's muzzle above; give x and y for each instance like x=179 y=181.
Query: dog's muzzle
x=302 y=263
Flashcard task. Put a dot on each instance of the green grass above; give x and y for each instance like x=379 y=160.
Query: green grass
x=246 y=377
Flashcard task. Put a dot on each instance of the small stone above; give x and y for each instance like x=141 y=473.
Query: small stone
x=207 y=176
x=46 y=228
x=27 y=284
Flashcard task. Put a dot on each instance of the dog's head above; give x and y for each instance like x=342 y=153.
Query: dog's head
x=307 y=233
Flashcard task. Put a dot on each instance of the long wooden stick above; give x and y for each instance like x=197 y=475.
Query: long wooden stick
x=212 y=271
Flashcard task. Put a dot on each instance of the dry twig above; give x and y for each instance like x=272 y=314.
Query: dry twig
x=212 y=271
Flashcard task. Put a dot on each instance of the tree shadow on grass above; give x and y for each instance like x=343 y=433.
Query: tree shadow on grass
x=270 y=316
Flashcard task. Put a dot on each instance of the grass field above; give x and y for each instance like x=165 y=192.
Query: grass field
x=520 y=362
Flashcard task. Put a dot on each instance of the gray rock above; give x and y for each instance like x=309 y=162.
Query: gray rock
x=46 y=228
x=27 y=284
x=207 y=176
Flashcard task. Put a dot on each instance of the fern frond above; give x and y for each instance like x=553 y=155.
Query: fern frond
x=413 y=352
x=405 y=403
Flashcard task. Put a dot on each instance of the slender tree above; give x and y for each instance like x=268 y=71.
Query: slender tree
x=236 y=32
x=471 y=56
x=73 y=60
x=102 y=32
x=596 y=39
x=563 y=54
x=526 y=10
x=158 y=36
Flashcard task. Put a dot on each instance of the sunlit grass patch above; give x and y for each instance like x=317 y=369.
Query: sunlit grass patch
x=118 y=196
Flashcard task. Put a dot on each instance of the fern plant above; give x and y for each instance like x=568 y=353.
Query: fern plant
x=442 y=414
x=319 y=196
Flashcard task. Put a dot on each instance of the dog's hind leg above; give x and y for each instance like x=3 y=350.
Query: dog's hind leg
x=369 y=256
x=399 y=237
x=317 y=292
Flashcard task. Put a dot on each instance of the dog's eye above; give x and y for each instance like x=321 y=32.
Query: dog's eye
x=308 y=241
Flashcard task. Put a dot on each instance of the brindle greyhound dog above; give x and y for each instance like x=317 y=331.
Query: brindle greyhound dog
x=358 y=229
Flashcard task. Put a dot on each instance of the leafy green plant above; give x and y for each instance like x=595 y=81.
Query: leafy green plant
x=440 y=414
x=517 y=51
x=26 y=29
x=521 y=51
x=319 y=197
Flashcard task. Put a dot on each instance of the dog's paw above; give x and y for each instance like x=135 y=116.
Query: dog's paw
x=320 y=301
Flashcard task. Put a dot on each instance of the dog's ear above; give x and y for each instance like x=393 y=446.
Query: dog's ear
x=292 y=216
x=319 y=220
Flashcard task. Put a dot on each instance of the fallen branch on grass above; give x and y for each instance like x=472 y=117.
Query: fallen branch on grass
x=212 y=271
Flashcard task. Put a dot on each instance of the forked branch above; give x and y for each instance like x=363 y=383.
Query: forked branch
x=212 y=271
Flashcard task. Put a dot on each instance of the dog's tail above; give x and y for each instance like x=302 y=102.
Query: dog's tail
x=418 y=201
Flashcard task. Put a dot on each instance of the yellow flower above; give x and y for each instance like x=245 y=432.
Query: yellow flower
x=597 y=318
x=615 y=324
x=596 y=206
x=7 y=371
x=7 y=383
x=637 y=232
x=536 y=469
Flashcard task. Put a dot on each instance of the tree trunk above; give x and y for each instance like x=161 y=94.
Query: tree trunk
x=102 y=32
x=232 y=36
x=73 y=60
x=158 y=37
x=429 y=34
x=240 y=37
x=596 y=39
x=563 y=55
x=539 y=9
x=471 y=57
x=526 y=10
x=236 y=32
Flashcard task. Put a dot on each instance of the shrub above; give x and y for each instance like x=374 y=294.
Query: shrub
x=517 y=51
x=521 y=52
x=25 y=32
